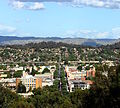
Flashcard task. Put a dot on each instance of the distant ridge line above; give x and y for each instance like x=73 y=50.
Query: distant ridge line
x=12 y=40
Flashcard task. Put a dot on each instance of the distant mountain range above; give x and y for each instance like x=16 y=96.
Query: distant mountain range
x=12 y=40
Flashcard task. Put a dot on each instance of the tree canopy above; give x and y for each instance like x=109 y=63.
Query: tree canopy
x=21 y=88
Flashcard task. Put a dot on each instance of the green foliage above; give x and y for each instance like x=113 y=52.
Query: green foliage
x=87 y=68
x=4 y=67
x=90 y=78
x=21 y=104
x=79 y=68
x=9 y=75
x=48 y=98
x=6 y=96
x=79 y=98
x=30 y=89
x=34 y=72
x=56 y=84
x=46 y=70
x=105 y=91
x=64 y=82
x=37 y=91
x=10 y=99
x=56 y=74
x=66 y=62
x=21 y=88
x=17 y=74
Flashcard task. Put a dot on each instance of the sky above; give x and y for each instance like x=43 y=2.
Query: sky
x=60 y=18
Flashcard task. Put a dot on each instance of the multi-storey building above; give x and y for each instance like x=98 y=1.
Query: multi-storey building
x=39 y=80
x=78 y=79
x=30 y=82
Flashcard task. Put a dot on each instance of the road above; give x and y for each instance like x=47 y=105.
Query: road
x=60 y=84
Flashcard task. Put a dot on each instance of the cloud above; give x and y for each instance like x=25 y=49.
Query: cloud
x=36 y=6
x=45 y=0
x=116 y=32
x=26 y=5
x=112 y=4
x=17 y=4
x=81 y=33
x=113 y=34
x=102 y=35
x=5 y=30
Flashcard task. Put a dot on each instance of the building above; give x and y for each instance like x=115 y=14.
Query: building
x=75 y=84
x=3 y=76
x=30 y=82
x=9 y=82
x=39 y=80
x=47 y=79
x=78 y=79
x=90 y=72
x=73 y=73
x=47 y=82
x=25 y=95
x=18 y=68
x=44 y=76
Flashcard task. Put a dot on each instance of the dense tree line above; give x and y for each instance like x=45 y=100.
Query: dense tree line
x=114 y=46
x=49 y=44
x=10 y=99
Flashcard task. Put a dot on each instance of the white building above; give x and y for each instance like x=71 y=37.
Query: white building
x=75 y=84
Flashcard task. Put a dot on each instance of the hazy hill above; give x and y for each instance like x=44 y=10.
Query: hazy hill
x=12 y=40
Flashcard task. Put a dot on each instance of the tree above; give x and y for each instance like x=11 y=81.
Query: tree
x=64 y=82
x=79 y=68
x=10 y=99
x=56 y=84
x=56 y=74
x=118 y=76
x=37 y=91
x=21 y=104
x=17 y=74
x=49 y=98
x=46 y=70
x=66 y=62
x=99 y=93
x=79 y=98
x=30 y=89
x=9 y=75
x=114 y=79
x=21 y=88
x=87 y=68
x=34 y=72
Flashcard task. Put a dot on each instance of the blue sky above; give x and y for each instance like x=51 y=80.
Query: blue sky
x=75 y=18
